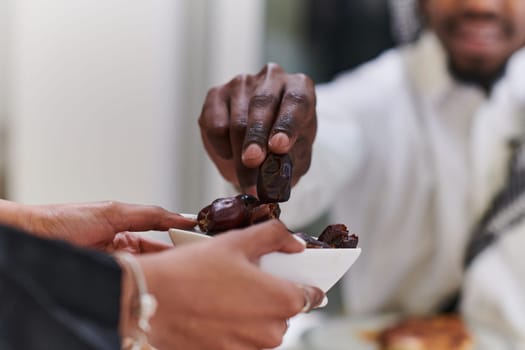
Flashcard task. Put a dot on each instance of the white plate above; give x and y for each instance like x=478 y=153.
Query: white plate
x=317 y=267
x=347 y=333
x=179 y=236
x=351 y=333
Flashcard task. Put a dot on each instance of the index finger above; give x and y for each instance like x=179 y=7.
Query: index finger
x=133 y=217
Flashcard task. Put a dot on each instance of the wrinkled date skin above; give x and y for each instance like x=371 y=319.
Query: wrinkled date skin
x=337 y=236
x=333 y=236
x=274 y=179
x=235 y=212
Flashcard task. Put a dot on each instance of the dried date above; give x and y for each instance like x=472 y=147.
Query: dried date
x=338 y=236
x=244 y=210
x=235 y=212
x=274 y=179
x=333 y=236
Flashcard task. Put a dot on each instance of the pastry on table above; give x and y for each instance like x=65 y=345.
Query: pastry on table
x=442 y=332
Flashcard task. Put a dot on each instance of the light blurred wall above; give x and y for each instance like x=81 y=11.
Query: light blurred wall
x=3 y=56
x=105 y=95
x=224 y=38
x=3 y=90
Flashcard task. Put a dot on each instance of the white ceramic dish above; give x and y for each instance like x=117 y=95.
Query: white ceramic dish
x=317 y=267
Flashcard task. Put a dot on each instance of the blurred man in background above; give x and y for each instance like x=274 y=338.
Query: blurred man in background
x=414 y=151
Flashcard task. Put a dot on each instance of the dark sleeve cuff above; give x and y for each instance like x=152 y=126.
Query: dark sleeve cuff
x=72 y=293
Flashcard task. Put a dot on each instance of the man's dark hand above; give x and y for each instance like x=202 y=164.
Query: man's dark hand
x=251 y=115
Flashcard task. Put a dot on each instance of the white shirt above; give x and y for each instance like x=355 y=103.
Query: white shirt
x=409 y=159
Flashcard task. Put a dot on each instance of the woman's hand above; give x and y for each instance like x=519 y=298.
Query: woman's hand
x=102 y=225
x=212 y=295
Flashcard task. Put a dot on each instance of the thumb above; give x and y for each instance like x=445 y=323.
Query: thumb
x=269 y=236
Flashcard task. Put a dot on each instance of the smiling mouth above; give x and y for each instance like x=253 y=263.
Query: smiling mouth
x=478 y=36
x=480 y=33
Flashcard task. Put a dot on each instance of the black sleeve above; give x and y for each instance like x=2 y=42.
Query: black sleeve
x=56 y=296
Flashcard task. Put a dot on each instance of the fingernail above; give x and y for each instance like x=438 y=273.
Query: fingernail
x=315 y=295
x=299 y=239
x=252 y=152
x=319 y=297
x=324 y=302
x=279 y=141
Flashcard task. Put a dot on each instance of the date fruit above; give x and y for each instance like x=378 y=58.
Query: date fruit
x=333 y=236
x=235 y=212
x=274 y=179
x=338 y=236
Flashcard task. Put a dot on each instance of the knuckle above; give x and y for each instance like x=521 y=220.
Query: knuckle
x=203 y=120
x=213 y=93
x=304 y=79
x=218 y=129
x=273 y=67
x=239 y=125
x=113 y=212
x=286 y=123
x=212 y=117
x=263 y=100
x=157 y=209
x=206 y=120
x=256 y=132
x=297 y=98
x=112 y=207
x=239 y=79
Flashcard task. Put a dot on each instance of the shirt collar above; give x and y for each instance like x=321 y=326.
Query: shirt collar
x=427 y=67
x=515 y=75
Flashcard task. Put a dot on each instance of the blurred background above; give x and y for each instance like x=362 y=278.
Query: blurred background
x=100 y=99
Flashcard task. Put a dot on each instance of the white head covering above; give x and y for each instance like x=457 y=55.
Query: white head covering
x=405 y=20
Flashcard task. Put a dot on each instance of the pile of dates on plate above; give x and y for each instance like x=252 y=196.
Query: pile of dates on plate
x=235 y=212
x=273 y=186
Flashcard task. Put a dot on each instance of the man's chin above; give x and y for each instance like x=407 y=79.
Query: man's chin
x=478 y=70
